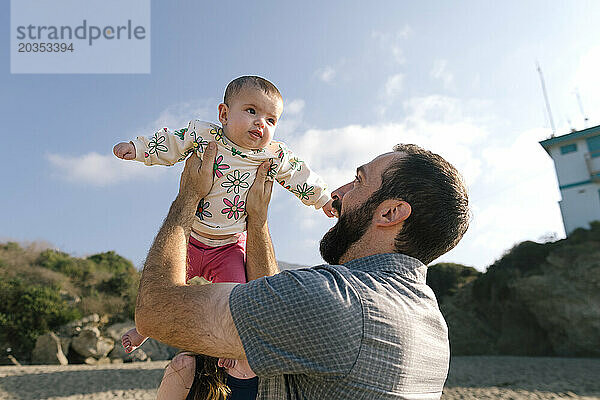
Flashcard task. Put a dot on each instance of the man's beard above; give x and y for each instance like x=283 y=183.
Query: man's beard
x=351 y=226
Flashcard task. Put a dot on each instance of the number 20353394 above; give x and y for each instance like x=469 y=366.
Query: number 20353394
x=24 y=47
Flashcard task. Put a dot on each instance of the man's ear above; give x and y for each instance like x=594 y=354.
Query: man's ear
x=392 y=212
x=223 y=112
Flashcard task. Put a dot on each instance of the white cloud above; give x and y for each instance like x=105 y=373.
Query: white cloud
x=291 y=119
x=440 y=72
x=512 y=186
x=394 y=85
x=179 y=115
x=390 y=42
x=326 y=74
x=105 y=169
x=100 y=170
x=294 y=107
x=391 y=90
x=336 y=153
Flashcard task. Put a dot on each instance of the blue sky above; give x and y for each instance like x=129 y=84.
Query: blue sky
x=458 y=78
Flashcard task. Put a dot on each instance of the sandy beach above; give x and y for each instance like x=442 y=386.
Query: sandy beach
x=469 y=378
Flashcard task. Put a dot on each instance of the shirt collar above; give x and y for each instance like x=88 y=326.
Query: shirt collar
x=390 y=262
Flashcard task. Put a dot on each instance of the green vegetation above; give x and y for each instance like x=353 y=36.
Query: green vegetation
x=538 y=299
x=42 y=289
x=28 y=311
x=527 y=259
x=447 y=278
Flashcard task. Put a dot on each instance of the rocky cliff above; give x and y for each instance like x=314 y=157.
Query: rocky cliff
x=538 y=299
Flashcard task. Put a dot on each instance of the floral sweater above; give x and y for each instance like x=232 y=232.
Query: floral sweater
x=222 y=211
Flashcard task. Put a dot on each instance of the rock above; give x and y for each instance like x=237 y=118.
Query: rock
x=566 y=303
x=153 y=349
x=158 y=351
x=116 y=331
x=48 y=350
x=138 y=355
x=538 y=300
x=74 y=328
x=65 y=343
x=71 y=299
x=89 y=343
x=13 y=360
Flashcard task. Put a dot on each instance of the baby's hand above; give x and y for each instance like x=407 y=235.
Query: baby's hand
x=329 y=210
x=124 y=150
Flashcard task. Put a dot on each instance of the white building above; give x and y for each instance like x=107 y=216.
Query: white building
x=577 y=162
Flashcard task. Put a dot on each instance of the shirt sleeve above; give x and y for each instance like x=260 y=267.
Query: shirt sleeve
x=306 y=321
x=166 y=147
x=296 y=176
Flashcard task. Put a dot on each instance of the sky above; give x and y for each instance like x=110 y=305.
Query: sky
x=458 y=78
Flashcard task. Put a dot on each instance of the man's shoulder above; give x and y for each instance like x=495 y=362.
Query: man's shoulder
x=320 y=286
x=322 y=274
x=401 y=264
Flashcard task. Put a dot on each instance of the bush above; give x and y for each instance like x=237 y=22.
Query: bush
x=526 y=257
x=446 y=278
x=62 y=262
x=112 y=262
x=11 y=246
x=27 y=312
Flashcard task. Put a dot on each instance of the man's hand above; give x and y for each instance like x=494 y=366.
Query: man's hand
x=124 y=150
x=329 y=210
x=260 y=255
x=197 y=176
x=259 y=195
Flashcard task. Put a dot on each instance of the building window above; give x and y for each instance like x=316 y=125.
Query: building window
x=594 y=146
x=569 y=148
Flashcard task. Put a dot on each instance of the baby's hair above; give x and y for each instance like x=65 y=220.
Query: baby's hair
x=255 y=82
x=209 y=380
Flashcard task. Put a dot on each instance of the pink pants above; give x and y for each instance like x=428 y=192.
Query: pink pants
x=218 y=264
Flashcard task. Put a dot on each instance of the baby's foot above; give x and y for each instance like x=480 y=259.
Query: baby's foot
x=132 y=340
x=227 y=363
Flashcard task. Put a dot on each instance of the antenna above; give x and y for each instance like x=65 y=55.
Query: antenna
x=571 y=125
x=585 y=119
x=546 y=98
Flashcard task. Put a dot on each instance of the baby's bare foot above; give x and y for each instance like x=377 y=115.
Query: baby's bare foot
x=227 y=363
x=132 y=340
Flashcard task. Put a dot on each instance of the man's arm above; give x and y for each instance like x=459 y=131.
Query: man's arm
x=260 y=255
x=195 y=318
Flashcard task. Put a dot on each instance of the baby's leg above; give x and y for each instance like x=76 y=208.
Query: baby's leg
x=178 y=378
x=228 y=264
x=132 y=340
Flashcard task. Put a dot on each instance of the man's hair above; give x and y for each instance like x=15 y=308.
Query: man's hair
x=253 y=82
x=438 y=199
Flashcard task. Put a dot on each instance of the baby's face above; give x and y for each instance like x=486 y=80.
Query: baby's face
x=251 y=118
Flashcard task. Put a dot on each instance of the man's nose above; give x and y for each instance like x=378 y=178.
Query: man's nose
x=339 y=193
x=259 y=122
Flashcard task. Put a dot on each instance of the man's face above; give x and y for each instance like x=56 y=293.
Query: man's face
x=354 y=210
x=251 y=118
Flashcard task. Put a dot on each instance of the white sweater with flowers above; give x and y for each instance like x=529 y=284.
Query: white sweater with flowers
x=222 y=211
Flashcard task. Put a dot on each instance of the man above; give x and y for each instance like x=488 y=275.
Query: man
x=365 y=327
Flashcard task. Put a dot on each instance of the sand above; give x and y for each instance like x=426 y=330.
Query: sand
x=469 y=378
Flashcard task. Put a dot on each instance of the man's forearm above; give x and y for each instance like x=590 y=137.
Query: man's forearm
x=260 y=255
x=165 y=264
x=164 y=300
x=168 y=252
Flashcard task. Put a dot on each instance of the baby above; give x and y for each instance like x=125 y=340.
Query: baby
x=249 y=115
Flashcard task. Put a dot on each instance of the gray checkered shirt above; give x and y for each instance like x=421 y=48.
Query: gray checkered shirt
x=368 y=329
